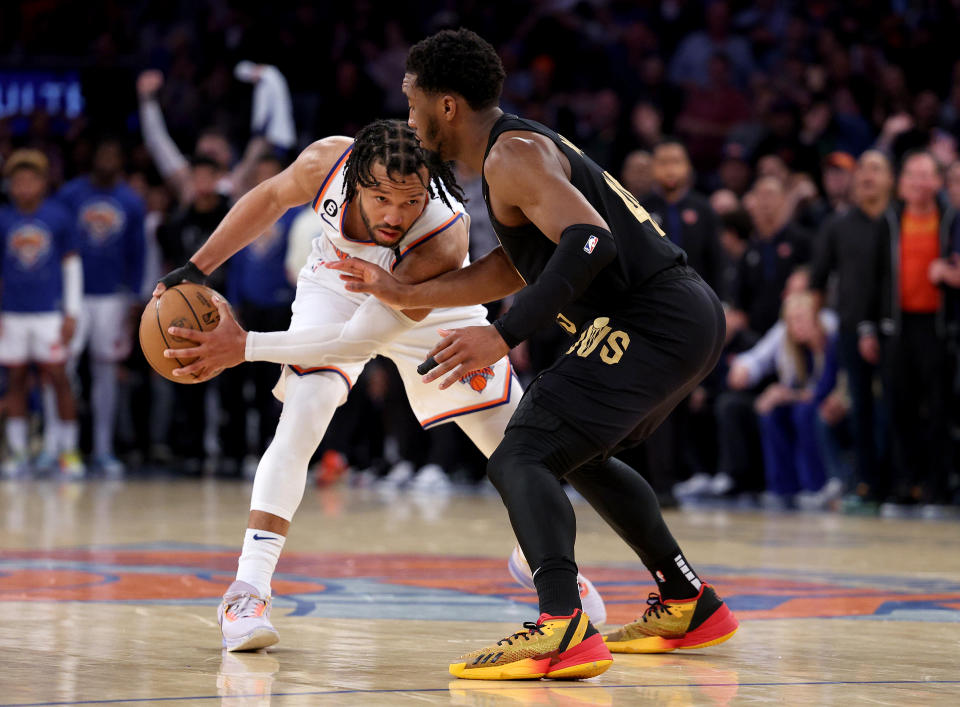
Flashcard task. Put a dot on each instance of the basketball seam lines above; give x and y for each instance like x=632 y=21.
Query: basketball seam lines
x=192 y=311
x=163 y=333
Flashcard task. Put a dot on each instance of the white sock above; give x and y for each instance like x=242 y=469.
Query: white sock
x=103 y=396
x=261 y=551
x=17 y=435
x=51 y=422
x=69 y=436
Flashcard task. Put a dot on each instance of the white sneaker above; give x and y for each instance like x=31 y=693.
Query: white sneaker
x=244 y=618
x=111 y=467
x=399 y=475
x=722 y=483
x=431 y=478
x=15 y=467
x=590 y=599
x=697 y=484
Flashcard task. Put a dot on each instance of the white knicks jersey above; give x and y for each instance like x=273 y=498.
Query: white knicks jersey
x=333 y=244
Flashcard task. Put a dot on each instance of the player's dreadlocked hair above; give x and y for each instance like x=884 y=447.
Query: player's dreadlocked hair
x=459 y=61
x=394 y=144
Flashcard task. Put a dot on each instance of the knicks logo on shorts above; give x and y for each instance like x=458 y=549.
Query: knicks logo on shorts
x=615 y=343
x=102 y=220
x=30 y=244
x=478 y=379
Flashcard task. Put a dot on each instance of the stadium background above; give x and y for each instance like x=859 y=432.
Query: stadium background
x=789 y=91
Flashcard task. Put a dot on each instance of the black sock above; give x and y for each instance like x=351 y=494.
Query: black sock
x=674 y=577
x=557 y=588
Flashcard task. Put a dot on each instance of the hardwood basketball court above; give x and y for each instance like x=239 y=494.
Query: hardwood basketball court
x=109 y=593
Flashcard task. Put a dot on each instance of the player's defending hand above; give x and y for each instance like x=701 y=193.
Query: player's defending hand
x=224 y=347
x=464 y=350
x=362 y=276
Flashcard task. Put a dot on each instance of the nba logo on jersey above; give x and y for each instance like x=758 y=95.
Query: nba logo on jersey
x=30 y=245
x=590 y=244
x=101 y=219
x=478 y=379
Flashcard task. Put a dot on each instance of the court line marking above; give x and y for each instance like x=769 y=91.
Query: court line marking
x=475 y=687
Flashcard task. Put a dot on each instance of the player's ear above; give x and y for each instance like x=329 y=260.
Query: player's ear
x=449 y=105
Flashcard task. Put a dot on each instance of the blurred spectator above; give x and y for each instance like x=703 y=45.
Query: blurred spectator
x=710 y=111
x=777 y=247
x=734 y=173
x=179 y=238
x=855 y=245
x=953 y=185
x=271 y=115
x=724 y=201
x=735 y=228
x=916 y=315
x=261 y=294
x=740 y=465
x=684 y=214
x=837 y=179
x=637 y=173
x=691 y=62
x=40 y=294
x=109 y=218
x=805 y=361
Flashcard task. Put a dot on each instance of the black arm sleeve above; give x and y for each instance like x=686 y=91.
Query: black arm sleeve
x=583 y=251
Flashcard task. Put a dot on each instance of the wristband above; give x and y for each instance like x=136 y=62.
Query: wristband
x=186 y=273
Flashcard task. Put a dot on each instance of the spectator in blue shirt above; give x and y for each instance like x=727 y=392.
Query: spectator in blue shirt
x=40 y=294
x=109 y=218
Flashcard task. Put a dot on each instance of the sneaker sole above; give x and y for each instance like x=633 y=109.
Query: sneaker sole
x=255 y=640
x=586 y=660
x=718 y=628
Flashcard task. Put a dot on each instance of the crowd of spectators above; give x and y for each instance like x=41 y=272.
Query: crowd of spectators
x=803 y=154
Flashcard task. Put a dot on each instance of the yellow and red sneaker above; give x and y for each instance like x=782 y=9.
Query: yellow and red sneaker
x=559 y=647
x=676 y=623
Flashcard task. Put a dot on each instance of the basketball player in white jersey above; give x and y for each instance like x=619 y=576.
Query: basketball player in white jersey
x=380 y=198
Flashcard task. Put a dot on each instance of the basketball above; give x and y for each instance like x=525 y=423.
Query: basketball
x=189 y=306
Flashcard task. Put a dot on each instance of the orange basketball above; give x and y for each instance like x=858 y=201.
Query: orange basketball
x=188 y=306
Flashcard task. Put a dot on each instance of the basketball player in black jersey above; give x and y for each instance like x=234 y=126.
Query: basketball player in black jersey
x=578 y=249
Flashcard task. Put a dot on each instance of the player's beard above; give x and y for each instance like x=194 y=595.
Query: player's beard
x=375 y=235
x=431 y=138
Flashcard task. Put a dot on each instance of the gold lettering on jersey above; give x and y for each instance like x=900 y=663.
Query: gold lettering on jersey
x=629 y=199
x=615 y=347
x=593 y=336
x=631 y=203
x=567 y=325
x=571 y=145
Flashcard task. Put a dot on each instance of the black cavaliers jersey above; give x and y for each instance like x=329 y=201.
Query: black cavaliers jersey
x=642 y=249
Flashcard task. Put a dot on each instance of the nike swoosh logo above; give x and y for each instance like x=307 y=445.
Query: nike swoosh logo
x=263 y=537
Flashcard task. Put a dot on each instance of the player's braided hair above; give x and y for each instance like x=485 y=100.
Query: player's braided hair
x=394 y=144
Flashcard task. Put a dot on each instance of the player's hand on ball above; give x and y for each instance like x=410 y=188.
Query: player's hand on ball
x=361 y=276
x=221 y=348
x=464 y=350
x=188 y=272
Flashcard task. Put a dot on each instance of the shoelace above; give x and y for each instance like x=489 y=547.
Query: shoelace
x=531 y=628
x=655 y=606
x=244 y=605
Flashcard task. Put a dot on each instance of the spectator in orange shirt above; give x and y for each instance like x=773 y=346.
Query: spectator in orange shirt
x=918 y=373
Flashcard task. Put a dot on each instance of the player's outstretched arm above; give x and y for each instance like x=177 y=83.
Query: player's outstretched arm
x=260 y=207
x=490 y=278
